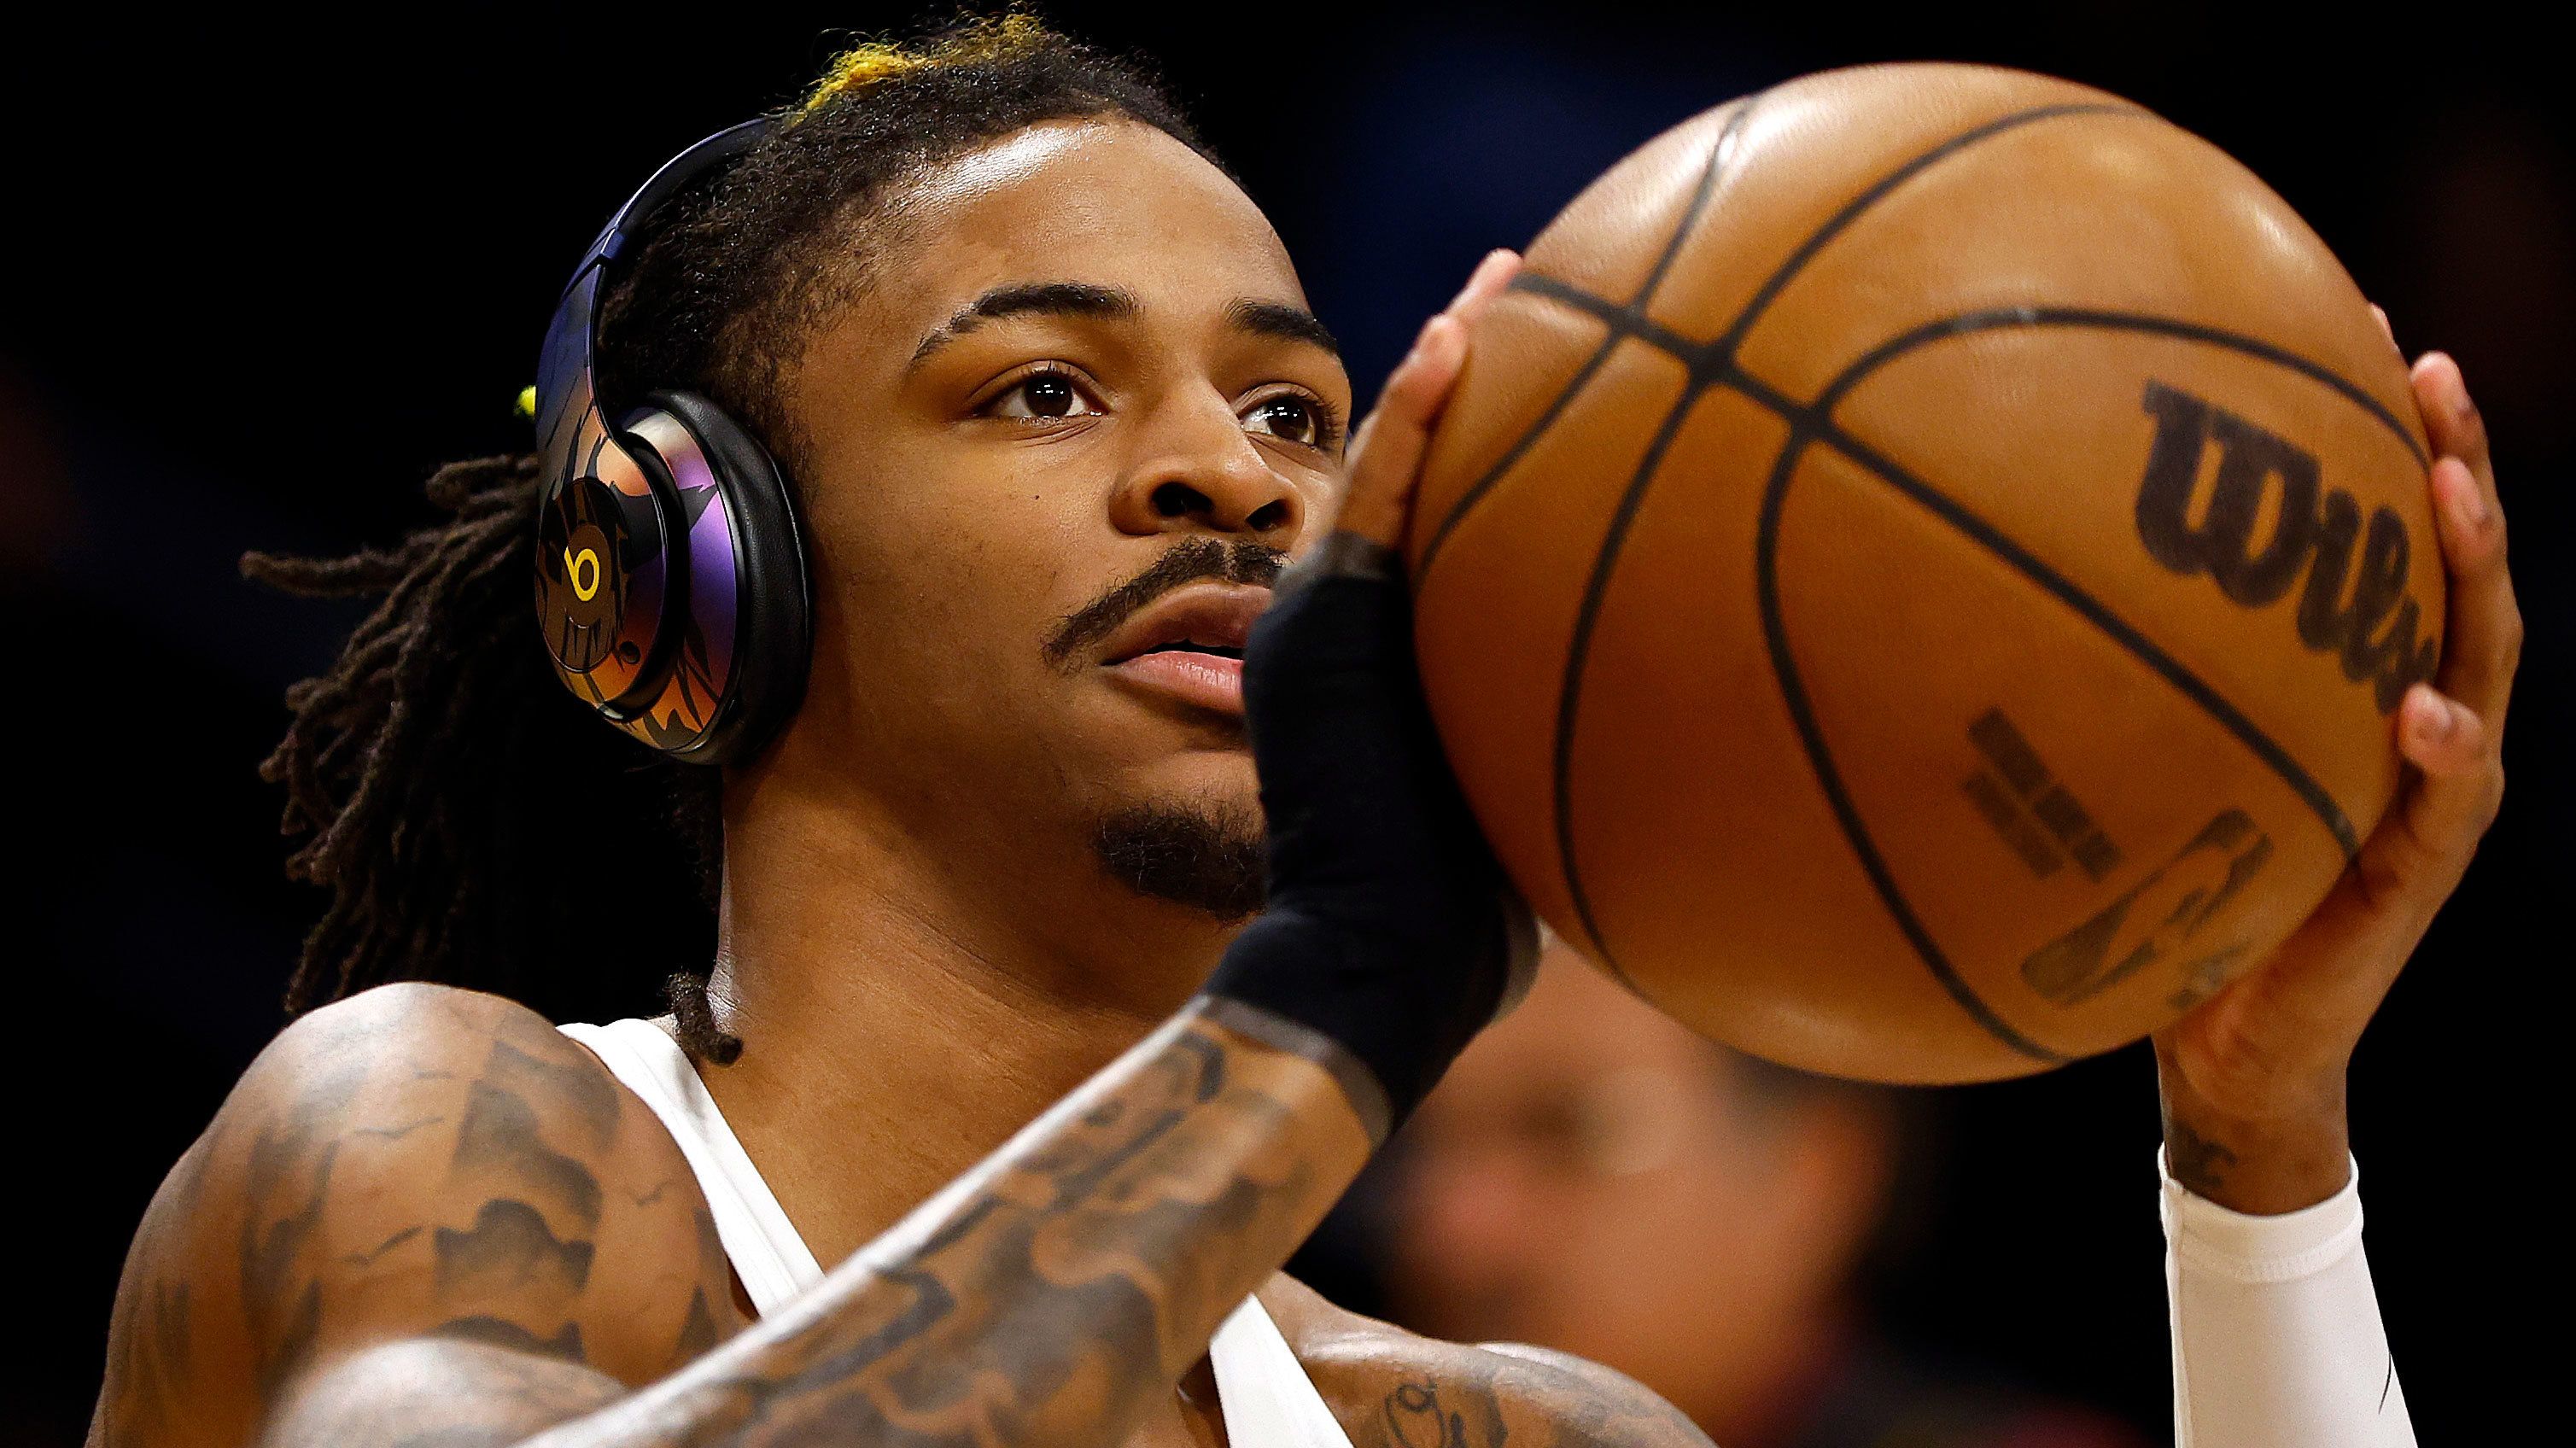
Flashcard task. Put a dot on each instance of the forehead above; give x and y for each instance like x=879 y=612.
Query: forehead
x=1109 y=202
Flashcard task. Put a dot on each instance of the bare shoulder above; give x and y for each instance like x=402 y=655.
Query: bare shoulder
x=415 y=1161
x=1395 y=1389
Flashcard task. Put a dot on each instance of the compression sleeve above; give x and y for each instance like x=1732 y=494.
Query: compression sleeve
x=2277 y=1340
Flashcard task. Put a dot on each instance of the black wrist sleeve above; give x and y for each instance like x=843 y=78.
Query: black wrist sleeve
x=1390 y=929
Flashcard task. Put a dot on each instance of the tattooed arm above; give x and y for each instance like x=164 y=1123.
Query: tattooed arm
x=416 y=1166
x=1393 y=1389
x=424 y=1217
x=1526 y=1397
x=1057 y=1291
x=1580 y=1402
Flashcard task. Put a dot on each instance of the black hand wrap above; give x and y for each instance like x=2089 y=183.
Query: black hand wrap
x=1390 y=928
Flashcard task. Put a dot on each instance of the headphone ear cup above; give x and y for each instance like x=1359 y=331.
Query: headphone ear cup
x=771 y=604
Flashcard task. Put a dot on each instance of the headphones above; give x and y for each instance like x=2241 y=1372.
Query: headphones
x=671 y=579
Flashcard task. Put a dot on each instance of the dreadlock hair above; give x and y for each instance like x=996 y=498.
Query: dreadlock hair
x=472 y=822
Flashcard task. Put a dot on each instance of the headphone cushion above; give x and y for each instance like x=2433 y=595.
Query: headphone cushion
x=773 y=641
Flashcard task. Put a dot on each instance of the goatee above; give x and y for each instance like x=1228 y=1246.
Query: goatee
x=1208 y=857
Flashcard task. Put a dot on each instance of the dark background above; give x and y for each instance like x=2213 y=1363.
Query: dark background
x=261 y=276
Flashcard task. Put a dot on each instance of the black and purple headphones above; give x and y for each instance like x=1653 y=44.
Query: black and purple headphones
x=671 y=579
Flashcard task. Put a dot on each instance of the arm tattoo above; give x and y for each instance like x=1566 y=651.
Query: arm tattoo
x=1049 y=1299
x=291 y=1160
x=1055 y=1298
x=1526 y=1398
x=1417 y=1418
x=512 y=1275
x=2199 y=1162
x=319 y=1154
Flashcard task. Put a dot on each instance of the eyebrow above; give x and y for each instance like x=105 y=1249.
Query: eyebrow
x=1083 y=299
x=1062 y=299
x=1287 y=323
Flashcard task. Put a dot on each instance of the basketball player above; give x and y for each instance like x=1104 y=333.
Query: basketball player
x=1055 y=412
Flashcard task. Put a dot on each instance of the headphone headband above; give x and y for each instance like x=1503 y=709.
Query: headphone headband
x=565 y=384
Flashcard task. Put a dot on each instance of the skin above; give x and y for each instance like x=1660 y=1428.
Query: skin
x=424 y=1218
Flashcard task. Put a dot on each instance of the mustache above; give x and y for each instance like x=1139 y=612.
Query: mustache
x=1199 y=558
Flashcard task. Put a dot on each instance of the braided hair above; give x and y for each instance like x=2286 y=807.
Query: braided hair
x=432 y=770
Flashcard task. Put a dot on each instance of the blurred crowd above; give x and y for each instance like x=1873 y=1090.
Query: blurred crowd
x=1593 y=1178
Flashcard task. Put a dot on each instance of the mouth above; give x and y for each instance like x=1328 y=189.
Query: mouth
x=1187 y=647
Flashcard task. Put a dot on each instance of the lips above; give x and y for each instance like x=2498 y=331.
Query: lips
x=1187 y=646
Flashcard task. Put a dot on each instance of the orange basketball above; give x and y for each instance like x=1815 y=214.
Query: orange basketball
x=1918 y=575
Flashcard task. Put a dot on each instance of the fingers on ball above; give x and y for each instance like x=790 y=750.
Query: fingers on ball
x=1485 y=283
x=2456 y=748
x=2472 y=529
x=1386 y=456
x=2440 y=735
x=2485 y=628
x=2442 y=394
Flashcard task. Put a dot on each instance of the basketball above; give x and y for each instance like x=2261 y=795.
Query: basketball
x=1918 y=574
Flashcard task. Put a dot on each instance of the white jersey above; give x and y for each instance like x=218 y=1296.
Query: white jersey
x=1267 y=1399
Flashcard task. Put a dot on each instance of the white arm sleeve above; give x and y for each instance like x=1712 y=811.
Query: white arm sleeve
x=2277 y=1341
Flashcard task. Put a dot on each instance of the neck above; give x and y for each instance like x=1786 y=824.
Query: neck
x=901 y=1016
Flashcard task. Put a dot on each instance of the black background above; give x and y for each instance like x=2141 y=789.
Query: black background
x=262 y=274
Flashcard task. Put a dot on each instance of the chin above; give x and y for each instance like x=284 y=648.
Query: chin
x=1199 y=851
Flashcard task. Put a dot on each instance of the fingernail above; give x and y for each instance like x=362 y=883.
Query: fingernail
x=2436 y=723
x=1473 y=277
x=2458 y=390
x=1493 y=261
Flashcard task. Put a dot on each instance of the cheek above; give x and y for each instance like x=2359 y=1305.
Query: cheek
x=935 y=595
x=1648 y=1237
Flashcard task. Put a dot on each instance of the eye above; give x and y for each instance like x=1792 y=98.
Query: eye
x=1042 y=397
x=1291 y=418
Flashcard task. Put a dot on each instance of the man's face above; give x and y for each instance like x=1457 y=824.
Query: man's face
x=1052 y=455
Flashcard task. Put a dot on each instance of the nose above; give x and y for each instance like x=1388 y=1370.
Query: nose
x=1201 y=471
